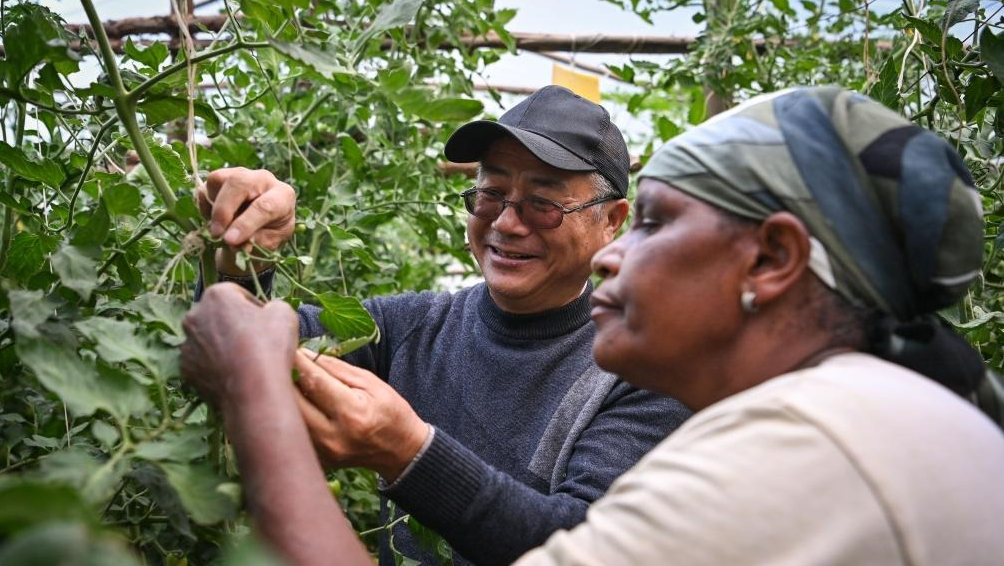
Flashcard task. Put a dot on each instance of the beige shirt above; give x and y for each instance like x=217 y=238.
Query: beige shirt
x=854 y=462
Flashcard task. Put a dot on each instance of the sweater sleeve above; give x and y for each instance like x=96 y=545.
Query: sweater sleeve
x=490 y=518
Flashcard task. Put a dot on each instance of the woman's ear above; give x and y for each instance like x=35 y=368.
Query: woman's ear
x=782 y=257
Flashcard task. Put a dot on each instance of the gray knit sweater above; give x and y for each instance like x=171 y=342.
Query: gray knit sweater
x=528 y=430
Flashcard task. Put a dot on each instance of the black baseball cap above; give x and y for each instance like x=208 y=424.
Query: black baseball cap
x=558 y=126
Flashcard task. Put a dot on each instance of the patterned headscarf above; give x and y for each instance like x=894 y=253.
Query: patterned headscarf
x=895 y=221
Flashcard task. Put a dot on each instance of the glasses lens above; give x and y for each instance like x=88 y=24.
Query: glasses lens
x=542 y=213
x=483 y=204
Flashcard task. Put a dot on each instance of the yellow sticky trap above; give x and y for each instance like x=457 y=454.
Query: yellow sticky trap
x=586 y=86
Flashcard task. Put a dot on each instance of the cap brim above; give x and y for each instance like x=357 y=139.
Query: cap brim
x=470 y=142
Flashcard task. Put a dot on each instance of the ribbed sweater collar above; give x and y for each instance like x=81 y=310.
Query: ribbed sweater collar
x=536 y=326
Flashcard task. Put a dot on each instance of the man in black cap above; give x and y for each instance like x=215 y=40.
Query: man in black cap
x=482 y=410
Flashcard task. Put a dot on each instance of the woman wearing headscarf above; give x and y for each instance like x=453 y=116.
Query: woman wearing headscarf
x=777 y=254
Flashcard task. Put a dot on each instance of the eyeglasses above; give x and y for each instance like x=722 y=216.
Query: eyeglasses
x=539 y=212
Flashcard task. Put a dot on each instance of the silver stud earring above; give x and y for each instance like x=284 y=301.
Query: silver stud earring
x=747 y=300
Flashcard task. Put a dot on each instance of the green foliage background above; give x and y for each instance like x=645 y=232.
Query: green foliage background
x=104 y=457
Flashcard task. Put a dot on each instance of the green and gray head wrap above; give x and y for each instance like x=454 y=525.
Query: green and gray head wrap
x=895 y=220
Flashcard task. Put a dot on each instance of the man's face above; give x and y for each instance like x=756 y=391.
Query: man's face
x=531 y=269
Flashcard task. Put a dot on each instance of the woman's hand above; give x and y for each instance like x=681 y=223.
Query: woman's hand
x=233 y=340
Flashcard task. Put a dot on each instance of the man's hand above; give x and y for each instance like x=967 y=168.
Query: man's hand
x=246 y=206
x=234 y=341
x=355 y=418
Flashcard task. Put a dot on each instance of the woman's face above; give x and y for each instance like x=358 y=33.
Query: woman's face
x=668 y=310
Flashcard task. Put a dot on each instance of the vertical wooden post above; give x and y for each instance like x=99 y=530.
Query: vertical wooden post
x=717 y=12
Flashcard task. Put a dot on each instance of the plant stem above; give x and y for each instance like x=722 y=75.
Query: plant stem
x=105 y=126
x=125 y=107
x=138 y=92
x=8 y=215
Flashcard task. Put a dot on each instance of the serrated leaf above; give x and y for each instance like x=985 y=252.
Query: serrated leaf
x=152 y=55
x=345 y=317
x=122 y=198
x=198 y=487
x=162 y=309
x=395 y=14
x=182 y=446
x=115 y=340
x=76 y=271
x=30 y=308
x=344 y=240
x=80 y=384
x=323 y=62
x=27 y=254
x=169 y=161
x=160 y=109
x=450 y=110
x=43 y=171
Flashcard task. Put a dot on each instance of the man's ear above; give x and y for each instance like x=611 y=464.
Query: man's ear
x=782 y=256
x=616 y=214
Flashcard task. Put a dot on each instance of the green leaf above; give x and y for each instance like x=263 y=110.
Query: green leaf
x=115 y=340
x=27 y=254
x=978 y=92
x=66 y=544
x=105 y=433
x=75 y=270
x=152 y=55
x=43 y=171
x=168 y=311
x=350 y=151
x=431 y=542
x=345 y=317
x=425 y=104
x=992 y=52
x=200 y=493
x=122 y=198
x=182 y=446
x=395 y=14
x=886 y=89
x=325 y=63
x=344 y=240
x=28 y=503
x=84 y=387
x=30 y=308
x=95 y=480
x=450 y=110
x=667 y=129
x=160 y=109
x=95 y=231
x=169 y=161
x=928 y=30
x=395 y=79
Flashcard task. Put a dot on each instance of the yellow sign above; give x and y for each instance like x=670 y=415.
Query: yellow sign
x=586 y=86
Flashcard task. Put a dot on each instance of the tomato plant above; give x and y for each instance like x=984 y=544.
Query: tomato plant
x=102 y=448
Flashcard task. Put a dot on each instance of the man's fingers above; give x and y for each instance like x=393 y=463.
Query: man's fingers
x=276 y=204
x=321 y=389
x=347 y=373
x=227 y=203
